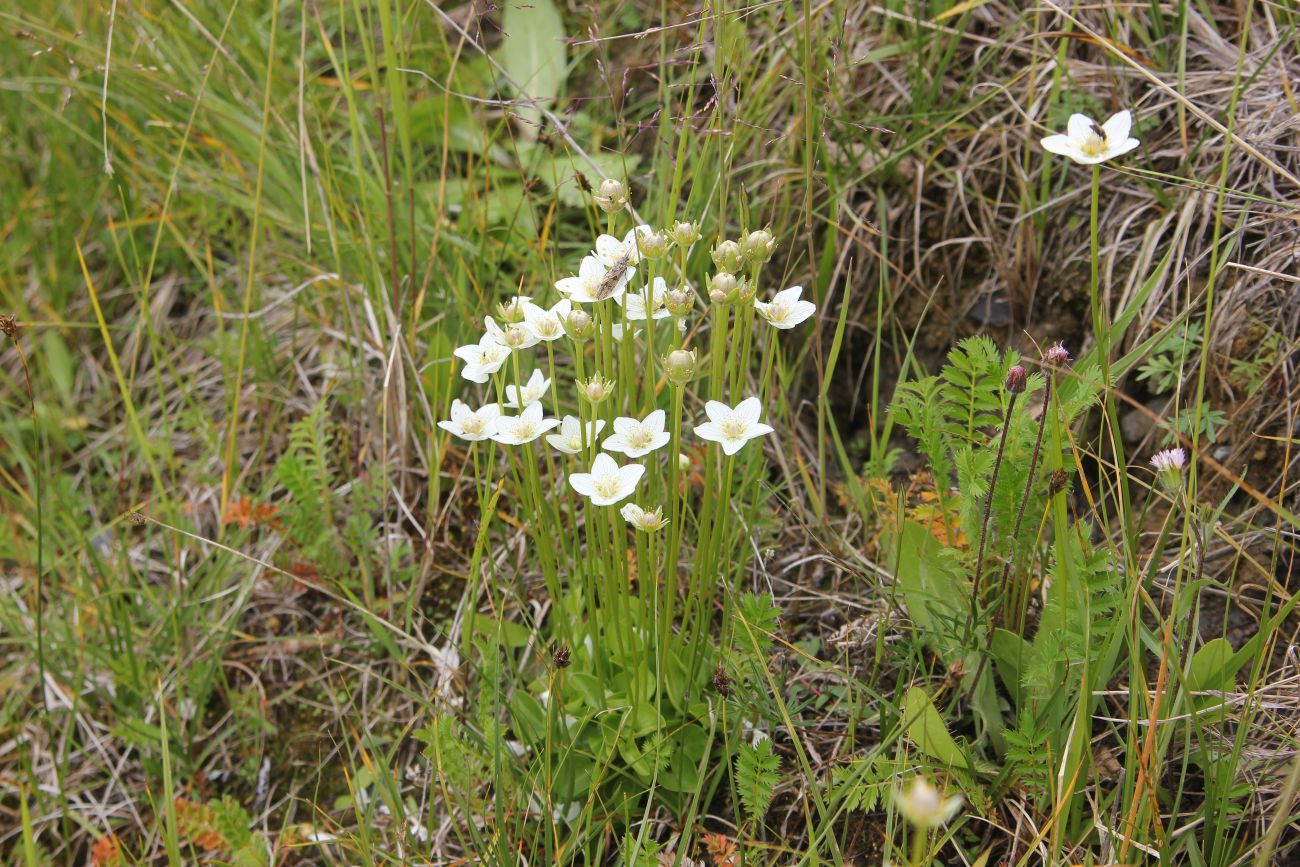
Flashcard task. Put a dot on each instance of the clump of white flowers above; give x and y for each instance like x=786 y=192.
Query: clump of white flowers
x=589 y=400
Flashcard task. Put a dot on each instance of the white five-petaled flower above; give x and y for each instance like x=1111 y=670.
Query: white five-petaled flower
x=482 y=359
x=590 y=286
x=569 y=439
x=515 y=430
x=924 y=806
x=638 y=438
x=469 y=424
x=1086 y=142
x=607 y=483
x=786 y=309
x=732 y=427
x=647 y=521
x=547 y=324
x=533 y=390
x=514 y=335
x=610 y=250
x=634 y=301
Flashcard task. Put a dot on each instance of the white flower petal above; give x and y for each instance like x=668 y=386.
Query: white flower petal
x=1117 y=127
x=1078 y=127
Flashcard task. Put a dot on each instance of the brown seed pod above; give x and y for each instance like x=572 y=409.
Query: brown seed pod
x=722 y=680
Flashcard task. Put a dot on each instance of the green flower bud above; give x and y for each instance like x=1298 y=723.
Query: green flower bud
x=684 y=233
x=612 y=196
x=653 y=245
x=727 y=256
x=679 y=302
x=757 y=247
x=596 y=388
x=722 y=287
x=679 y=366
x=578 y=324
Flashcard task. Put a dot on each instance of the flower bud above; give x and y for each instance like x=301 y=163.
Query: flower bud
x=1169 y=465
x=683 y=462
x=595 y=388
x=757 y=247
x=722 y=287
x=684 y=233
x=1056 y=355
x=745 y=291
x=679 y=366
x=578 y=324
x=612 y=196
x=653 y=245
x=1015 y=382
x=1057 y=482
x=512 y=310
x=727 y=256
x=679 y=302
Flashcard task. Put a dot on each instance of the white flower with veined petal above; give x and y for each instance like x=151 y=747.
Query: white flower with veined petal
x=515 y=430
x=610 y=249
x=569 y=438
x=643 y=520
x=785 y=310
x=547 y=324
x=731 y=427
x=515 y=335
x=633 y=301
x=618 y=331
x=638 y=438
x=534 y=390
x=469 y=424
x=590 y=286
x=1087 y=143
x=607 y=483
x=482 y=359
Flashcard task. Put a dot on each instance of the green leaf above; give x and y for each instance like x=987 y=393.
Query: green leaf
x=756 y=776
x=533 y=55
x=932 y=587
x=926 y=729
x=1213 y=668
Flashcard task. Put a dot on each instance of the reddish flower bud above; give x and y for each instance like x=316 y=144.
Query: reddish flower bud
x=1056 y=355
x=1015 y=379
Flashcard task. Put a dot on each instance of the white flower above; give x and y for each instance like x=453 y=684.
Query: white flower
x=924 y=806
x=610 y=250
x=590 y=285
x=515 y=430
x=638 y=438
x=732 y=428
x=1087 y=143
x=472 y=425
x=547 y=324
x=634 y=301
x=786 y=310
x=607 y=483
x=482 y=359
x=514 y=335
x=569 y=439
x=534 y=390
x=639 y=518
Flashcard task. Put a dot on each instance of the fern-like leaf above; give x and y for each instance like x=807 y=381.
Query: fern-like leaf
x=757 y=773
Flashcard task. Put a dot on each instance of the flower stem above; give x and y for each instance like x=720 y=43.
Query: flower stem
x=1024 y=498
x=988 y=510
